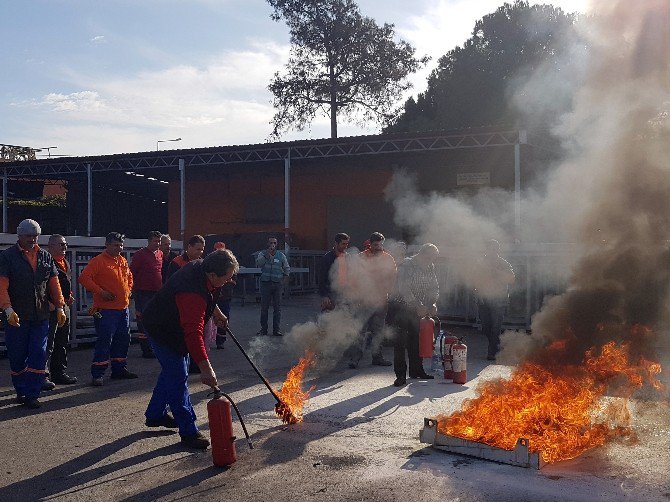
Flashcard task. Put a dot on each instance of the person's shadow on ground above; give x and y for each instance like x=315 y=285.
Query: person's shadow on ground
x=78 y=473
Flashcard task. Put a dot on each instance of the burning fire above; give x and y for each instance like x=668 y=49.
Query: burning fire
x=292 y=397
x=558 y=408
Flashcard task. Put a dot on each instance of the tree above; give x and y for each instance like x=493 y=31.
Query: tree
x=341 y=64
x=471 y=84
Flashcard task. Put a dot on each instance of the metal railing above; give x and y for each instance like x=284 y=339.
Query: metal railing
x=80 y=251
x=457 y=304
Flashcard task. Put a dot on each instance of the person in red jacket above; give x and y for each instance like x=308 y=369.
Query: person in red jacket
x=195 y=247
x=175 y=320
x=146 y=266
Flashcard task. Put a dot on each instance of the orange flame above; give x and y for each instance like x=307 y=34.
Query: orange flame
x=558 y=409
x=292 y=397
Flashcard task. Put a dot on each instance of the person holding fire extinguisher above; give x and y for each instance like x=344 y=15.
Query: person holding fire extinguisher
x=175 y=320
x=416 y=295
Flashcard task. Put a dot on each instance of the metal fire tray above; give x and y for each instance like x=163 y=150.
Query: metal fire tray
x=521 y=455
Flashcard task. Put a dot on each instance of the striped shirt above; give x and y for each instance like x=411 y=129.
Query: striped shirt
x=416 y=285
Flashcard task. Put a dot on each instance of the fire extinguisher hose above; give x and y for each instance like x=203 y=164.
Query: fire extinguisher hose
x=217 y=393
x=260 y=375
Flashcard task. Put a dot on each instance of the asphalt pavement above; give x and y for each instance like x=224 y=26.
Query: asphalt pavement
x=359 y=439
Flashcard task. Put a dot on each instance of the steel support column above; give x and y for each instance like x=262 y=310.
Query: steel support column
x=517 y=182
x=182 y=199
x=4 y=202
x=89 y=192
x=287 y=201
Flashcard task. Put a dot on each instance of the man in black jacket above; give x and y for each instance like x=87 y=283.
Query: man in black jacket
x=28 y=284
x=175 y=319
x=333 y=273
x=59 y=336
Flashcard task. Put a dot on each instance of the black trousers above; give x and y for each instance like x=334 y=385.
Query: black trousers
x=405 y=322
x=57 y=346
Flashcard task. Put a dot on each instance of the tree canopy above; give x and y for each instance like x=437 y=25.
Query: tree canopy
x=471 y=85
x=341 y=64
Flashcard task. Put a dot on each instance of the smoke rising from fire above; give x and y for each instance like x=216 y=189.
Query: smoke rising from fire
x=609 y=195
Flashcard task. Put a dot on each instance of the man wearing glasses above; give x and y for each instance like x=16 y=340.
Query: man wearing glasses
x=60 y=335
x=28 y=284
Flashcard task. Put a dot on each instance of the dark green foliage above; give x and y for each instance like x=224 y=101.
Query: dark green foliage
x=341 y=64
x=472 y=84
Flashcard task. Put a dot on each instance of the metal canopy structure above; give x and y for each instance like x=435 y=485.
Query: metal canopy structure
x=171 y=165
x=307 y=149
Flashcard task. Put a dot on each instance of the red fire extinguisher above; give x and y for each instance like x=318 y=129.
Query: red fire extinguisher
x=449 y=341
x=221 y=428
x=459 y=355
x=426 y=329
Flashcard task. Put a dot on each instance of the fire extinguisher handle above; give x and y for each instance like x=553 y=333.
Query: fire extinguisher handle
x=216 y=392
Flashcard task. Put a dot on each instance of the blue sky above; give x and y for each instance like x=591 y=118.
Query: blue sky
x=111 y=76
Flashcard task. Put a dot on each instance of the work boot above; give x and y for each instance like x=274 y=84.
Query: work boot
x=380 y=361
x=147 y=351
x=31 y=404
x=197 y=441
x=423 y=376
x=262 y=333
x=399 y=382
x=166 y=421
x=123 y=374
x=64 y=379
x=48 y=385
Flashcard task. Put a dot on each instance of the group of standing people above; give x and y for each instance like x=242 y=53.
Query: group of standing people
x=399 y=291
x=175 y=296
x=381 y=290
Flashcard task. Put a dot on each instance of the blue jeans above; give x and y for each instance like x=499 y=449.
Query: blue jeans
x=172 y=390
x=270 y=292
x=113 y=333
x=491 y=315
x=27 y=354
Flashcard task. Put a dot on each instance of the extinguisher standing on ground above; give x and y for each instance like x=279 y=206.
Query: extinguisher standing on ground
x=459 y=353
x=449 y=341
x=221 y=428
x=426 y=329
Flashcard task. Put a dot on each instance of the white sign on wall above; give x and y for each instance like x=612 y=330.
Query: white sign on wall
x=483 y=178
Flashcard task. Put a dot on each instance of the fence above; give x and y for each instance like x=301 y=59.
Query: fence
x=536 y=267
x=539 y=269
x=80 y=251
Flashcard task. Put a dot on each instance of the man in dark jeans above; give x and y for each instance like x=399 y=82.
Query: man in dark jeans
x=333 y=273
x=274 y=272
x=168 y=254
x=416 y=297
x=493 y=294
x=59 y=336
x=28 y=284
x=146 y=266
